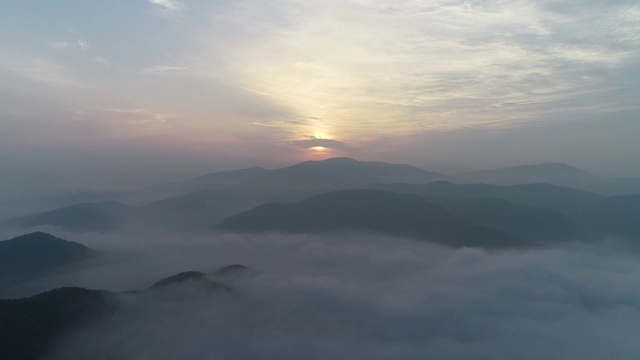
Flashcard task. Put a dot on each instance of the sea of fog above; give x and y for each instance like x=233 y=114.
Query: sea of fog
x=354 y=296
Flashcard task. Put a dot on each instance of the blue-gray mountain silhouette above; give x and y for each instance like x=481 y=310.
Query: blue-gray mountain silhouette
x=324 y=175
x=370 y=211
x=39 y=252
x=197 y=203
x=556 y=174
x=84 y=217
x=592 y=216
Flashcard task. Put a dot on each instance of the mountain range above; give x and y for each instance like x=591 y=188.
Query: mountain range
x=84 y=217
x=536 y=210
x=325 y=175
x=196 y=203
x=375 y=211
x=592 y=215
x=553 y=173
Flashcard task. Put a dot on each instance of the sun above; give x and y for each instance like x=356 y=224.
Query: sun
x=318 y=148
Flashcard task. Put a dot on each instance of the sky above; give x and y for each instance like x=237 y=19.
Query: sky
x=127 y=93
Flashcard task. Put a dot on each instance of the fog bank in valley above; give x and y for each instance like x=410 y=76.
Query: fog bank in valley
x=353 y=296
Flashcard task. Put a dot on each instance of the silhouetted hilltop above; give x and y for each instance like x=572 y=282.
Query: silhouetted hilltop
x=592 y=215
x=178 y=278
x=85 y=217
x=233 y=270
x=534 y=224
x=220 y=280
x=80 y=197
x=372 y=211
x=346 y=172
x=39 y=252
x=191 y=277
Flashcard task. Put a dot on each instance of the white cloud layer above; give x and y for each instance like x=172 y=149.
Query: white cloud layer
x=359 y=297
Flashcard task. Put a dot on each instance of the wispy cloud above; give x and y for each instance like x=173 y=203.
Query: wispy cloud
x=82 y=44
x=358 y=66
x=317 y=142
x=78 y=44
x=59 y=45
x=143 y=116
x=163 y=69
x=38 y=70
x=101 y=60
x=286 y=73
x=168 y=7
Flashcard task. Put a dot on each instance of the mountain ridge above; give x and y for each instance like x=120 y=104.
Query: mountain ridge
x=329 y=174
x=38 y=252
x=375 y=211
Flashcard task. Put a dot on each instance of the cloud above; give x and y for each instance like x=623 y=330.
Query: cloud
x=352 y=70
x=101 y=60
x=168 y=7
x=38 y=70
x=82 y=44
x=58 y=45
x=364 y=297
x=139 y=115
x=427 y=67
x=316 y=142
x=79 y=44
x=163 y=69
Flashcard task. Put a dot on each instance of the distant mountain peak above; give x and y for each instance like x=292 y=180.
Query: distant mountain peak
x=330 y=161
x=190 y=277
x=39 y=252
x=213 y=281
x=37 y=236
x=43 y=239
x=233 y=269
x=368 y=211
x=343 y=159
x=552 y=172
x=226 y=173
x=83 y=217
x=353 y=165
x=178 y=278
x=547 y=166
x=318 y=175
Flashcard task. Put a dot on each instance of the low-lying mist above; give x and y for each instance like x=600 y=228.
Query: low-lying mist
x=354 y=296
